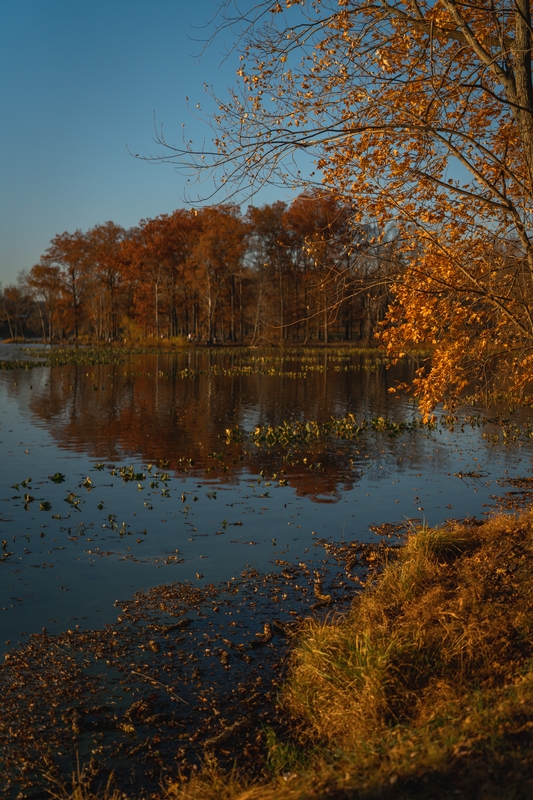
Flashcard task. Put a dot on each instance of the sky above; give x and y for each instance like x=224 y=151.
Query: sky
x=81 y=83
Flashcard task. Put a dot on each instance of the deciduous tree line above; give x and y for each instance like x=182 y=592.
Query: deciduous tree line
x=302 y=272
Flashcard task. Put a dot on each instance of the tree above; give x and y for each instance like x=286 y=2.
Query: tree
x=16 y=308
x=157 y=255
x=328 y=250
x=69 y=255
x=268 y=245
x=217 y=259
x=419 y=115
x=45 y=285
x=105 y=259
x=174 y=236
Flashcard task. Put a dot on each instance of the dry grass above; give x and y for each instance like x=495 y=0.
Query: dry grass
x=406 y=636
x=152 y=342
x=433 y=661
x=80 y=788
x=425 y=688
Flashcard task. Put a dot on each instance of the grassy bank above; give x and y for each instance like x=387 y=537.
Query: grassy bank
x=425 y=689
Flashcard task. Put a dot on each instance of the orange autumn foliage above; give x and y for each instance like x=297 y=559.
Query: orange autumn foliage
x=419 y=117
x=208 y=275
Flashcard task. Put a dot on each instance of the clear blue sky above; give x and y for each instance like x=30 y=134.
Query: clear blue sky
x=81 y=81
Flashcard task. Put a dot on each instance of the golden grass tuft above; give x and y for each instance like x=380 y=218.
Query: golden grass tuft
x=212 y=784
x=449 y=615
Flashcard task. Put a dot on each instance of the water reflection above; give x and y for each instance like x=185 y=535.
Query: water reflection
x=77 y=546
x=151 y=410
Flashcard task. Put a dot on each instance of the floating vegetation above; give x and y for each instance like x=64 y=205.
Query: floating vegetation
x=505 y=430
x=261 y=369
x=295 y=363
x=292 y=432
x=63 y=356
x=246 y=361
x=295 y=432
x=4 y=364
x=127 y=473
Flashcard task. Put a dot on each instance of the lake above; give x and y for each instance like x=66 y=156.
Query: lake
x=193 y=466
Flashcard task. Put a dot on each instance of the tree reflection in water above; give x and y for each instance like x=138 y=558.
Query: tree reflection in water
x=150 y=409
x=211 y=504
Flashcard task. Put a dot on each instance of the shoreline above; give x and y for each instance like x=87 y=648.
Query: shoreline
x=253 y=741
x=185 y=675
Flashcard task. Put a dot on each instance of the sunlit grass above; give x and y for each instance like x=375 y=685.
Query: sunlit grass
x=434 y=658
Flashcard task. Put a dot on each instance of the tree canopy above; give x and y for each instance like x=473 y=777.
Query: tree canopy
x=212 y=274
x=419 y=116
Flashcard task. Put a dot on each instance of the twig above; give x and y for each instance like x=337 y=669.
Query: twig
x=164 y=686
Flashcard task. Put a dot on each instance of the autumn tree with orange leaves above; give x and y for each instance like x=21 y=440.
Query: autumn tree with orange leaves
x=217 y=263
x=419 y=115
x=212 y=274
x=156 y=256
x=334 y=257
x=104 y=246
x=45 y=284
x=269 y=256
x=67 y=261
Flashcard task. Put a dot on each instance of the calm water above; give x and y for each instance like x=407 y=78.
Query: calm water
x=152 y=492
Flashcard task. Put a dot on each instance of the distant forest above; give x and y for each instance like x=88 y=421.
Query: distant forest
x=301 y=272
